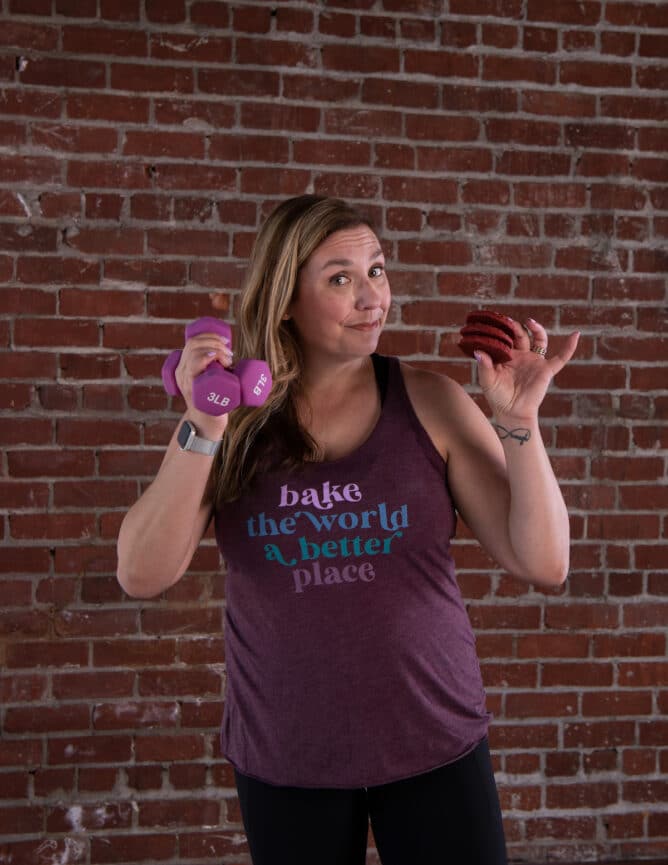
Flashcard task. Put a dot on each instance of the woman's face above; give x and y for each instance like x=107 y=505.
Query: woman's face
x=342 y=296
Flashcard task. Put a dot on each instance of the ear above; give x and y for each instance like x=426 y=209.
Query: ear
x=286 y=317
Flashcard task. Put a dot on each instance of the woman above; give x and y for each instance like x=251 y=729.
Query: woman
x=354 y=691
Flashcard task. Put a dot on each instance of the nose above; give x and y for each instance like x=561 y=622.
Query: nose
x=369 y=294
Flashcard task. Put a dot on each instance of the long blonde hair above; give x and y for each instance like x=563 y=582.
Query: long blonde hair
x=271 y=435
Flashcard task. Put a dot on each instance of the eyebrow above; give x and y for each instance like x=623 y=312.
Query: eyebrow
x=346 y=262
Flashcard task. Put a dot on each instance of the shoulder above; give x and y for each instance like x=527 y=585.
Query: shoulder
x=423 y=383
x=442 y=406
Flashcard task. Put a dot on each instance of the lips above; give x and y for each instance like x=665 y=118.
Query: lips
x=365 y=325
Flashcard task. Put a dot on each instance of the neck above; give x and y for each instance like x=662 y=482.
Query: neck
x=334 y=375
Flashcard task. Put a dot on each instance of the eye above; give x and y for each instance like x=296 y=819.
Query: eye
x=377 y=270
x=339 y=279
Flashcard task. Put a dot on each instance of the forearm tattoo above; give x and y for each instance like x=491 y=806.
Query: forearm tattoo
x=520 y=434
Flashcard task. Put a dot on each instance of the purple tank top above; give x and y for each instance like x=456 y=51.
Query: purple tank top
x=351 y=661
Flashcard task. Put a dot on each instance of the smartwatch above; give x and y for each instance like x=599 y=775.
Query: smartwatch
x=189 y=441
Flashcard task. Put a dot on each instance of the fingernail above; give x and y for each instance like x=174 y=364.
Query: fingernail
x=477 y=356
x=531 y=320
x=210 y=353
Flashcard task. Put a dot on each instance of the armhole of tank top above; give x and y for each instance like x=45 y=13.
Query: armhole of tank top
x=381 y=368
x=423 y=437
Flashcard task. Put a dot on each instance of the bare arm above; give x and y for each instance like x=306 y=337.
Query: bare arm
x=500 y=475
x=162 y=530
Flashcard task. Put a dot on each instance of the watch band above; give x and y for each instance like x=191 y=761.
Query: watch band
x=190 y=441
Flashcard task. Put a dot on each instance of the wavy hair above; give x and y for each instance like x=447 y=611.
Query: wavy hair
x=271 y=435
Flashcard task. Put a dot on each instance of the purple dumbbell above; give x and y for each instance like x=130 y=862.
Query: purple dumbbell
x=218 y=390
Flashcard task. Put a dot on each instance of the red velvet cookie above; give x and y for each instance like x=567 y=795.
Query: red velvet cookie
x=489 y=332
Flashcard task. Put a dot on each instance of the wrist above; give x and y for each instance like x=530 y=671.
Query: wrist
x=506 y=420
x=208 y=426
x=514 y=431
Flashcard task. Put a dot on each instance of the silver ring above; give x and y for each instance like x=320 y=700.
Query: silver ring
x=539 y=349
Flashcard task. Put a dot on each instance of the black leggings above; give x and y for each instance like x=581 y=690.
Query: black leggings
x=449 y=816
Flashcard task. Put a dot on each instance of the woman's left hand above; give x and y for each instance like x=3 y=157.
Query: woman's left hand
x=516 y=389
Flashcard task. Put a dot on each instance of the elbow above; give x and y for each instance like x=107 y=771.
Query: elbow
x=548 y=575
x=132 y=585
x=551 y=577
x=135 y=572
x=556 y=578
x=136 y=579
x=559 y=574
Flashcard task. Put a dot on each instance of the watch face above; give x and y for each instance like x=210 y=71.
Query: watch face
x=186 y=434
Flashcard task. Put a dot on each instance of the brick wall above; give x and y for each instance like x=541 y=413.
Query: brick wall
x=513 y=153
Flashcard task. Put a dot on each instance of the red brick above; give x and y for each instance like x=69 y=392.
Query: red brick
x=505 y=68
x=186 y=621
x=147 y=270
x=179 y=683
x=61 y=72
x=40 y=37
x=543 y=40
x=164 y=748
x=166 y=11
x=645 y=791
x=454 y=160
x=89 y=560
x=89 y=749
x=583 y=828
x=617 y=704
x=13 y=134
x=150 y=78
x=32 y=169
x=362 y=122
x=93 y=817
x=119 y=848
x=42 y=719
x=180 y=812
x=14 y=785
x=51 y=526
x=46 y=653
x=276 y=53
x=585 y=14
x=85 y=685
x=175 y=144
x=186 y=242
x=114 y=108
x=441 y=64
x=497 y=8
x=191 y=176
x=120 y=175
x=97 y=779
x=104 y=40
x=500 y=35
x=27 y=561
x=574 y=796
x=134 y=653
x=21 y=819
x=188 y=777
x=348 y=58
x=530 y=164
x=219 y=844
x=268 y=181
x=148 y=714
x=16 y=593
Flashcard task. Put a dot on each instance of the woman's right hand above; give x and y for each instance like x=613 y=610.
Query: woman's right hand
x=198 y=353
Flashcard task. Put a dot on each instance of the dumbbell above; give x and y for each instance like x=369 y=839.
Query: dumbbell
x=218 y=390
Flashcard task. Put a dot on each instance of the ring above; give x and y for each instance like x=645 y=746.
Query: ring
x=539 y=349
